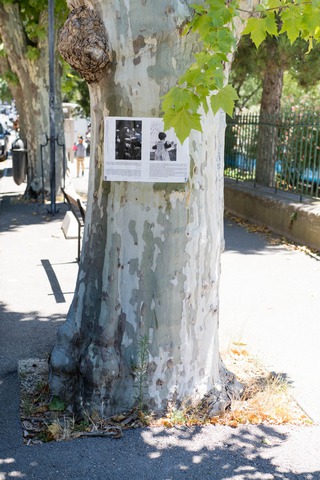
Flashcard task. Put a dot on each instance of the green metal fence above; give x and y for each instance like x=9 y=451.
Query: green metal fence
x=286 y=147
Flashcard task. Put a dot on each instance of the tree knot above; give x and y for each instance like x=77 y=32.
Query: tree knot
x=83 y=43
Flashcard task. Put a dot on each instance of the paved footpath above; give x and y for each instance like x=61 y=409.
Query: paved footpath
x=38 y=275
x=270 y=300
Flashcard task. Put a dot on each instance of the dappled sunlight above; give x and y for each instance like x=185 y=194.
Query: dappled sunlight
x=31 y=316
x=10 y=473
x=153 y=455
x=209 y=452
x=34 y=316
x=6 y=460
x=197 y=459
x=223 y=453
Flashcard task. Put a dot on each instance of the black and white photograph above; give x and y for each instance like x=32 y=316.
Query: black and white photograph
x=128 y=140
x=163 y=143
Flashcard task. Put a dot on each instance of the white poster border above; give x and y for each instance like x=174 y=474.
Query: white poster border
x=138 y=149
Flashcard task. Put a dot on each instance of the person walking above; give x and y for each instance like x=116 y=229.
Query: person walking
x=80 y=154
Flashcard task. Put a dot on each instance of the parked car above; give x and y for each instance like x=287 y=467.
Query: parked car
x=4 y=142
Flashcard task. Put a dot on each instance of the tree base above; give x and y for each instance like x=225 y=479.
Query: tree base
x=220 y=397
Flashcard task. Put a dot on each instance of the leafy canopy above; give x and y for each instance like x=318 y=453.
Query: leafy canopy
x=213 y=23
x=31 y=13
x=34 y=23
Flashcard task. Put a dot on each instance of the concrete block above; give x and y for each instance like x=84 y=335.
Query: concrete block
x=70 y=226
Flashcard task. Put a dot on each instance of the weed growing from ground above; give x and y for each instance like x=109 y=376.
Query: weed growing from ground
x=140 y=371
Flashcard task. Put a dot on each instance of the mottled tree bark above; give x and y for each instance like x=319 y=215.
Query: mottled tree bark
x=31 y=93
x=148 y=283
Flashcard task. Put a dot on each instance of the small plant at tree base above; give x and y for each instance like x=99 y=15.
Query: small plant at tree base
x=177 y=417
x=140 y=370
x=56 y=405
x=82 y=426
x=27 y=407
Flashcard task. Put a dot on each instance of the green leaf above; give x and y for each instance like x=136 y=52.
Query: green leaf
x=271 y=24
x=203 y=58
x=218 y=76
x=226 y=40
x=3 y=53
x=275 y=4
x=10 y=77
x=256 y=30
x=216 y=5
x=310 y=19
x=33 y=53
x=200 y=24
x=291 y=23
x=224 y=99
x=183 y=121
x=202 y=91
x=190 y=76
x=220 y=15
x=179 y=97
x=310 y=45
x=198 y=8
x=56 y=405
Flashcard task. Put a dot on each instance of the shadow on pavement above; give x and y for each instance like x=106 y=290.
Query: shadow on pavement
x=239 y=239
x=25 y=335
x=15 y=212
x=215 y=453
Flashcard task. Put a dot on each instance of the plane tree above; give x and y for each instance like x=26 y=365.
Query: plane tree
x=143 y=324
x=263 y=69
x=25 y=67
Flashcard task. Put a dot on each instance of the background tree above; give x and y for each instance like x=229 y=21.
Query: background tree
x=23 y=31
x=264 y=69
x=5 y=94
x=275 y=65
x=301 y=76
x=74 y=89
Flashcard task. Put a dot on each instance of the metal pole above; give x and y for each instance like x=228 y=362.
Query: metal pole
x=52 y=108
x=64 y=160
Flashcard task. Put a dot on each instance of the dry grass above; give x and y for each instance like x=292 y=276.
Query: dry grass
x=267 y=397
x=266 y=400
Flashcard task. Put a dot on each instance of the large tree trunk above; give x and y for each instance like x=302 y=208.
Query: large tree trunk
x=32 y=94
x=143 y=324
x=269 y=110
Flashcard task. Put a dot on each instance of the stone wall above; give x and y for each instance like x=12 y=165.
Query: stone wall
x=282 y=212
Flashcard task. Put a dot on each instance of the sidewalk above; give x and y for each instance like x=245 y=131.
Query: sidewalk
x=269 y=299
x=38 y=276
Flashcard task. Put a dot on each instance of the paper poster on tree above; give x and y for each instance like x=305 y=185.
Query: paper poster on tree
x=140 y=150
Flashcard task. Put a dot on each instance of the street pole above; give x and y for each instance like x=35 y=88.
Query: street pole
x=52 y=108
